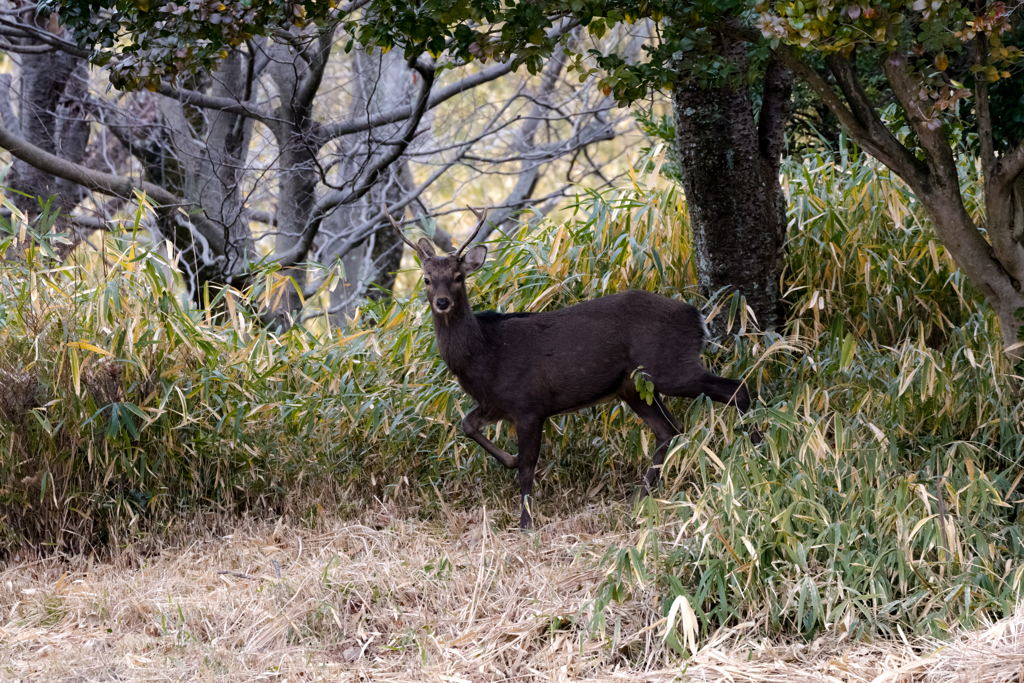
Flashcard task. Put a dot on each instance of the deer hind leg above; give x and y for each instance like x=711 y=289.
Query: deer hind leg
x=665 y=427
x=472 y=424
x=731 y=392
x=529 y=433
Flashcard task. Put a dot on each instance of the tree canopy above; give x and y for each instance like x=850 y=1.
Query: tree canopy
x=141 y=42
x=946 y=44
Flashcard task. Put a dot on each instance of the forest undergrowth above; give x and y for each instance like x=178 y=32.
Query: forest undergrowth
x=884 y=500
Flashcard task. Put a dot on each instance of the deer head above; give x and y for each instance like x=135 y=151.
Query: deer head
x=445 y=276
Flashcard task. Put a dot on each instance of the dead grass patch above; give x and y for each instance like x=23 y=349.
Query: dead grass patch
x=390 y=599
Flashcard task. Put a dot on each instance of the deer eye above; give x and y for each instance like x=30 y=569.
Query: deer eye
x=426 y=281
x=458 y=278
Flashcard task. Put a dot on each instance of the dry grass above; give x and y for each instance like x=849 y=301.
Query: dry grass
x=391 y=599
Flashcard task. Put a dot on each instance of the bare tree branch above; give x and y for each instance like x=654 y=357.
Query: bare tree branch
x=529 y=171
x=369 y=176
x=105 y=183
x=199 y=150
x=353 y=237
x=25 y=49
x=361 y=124
x=225 y=104
x=356 y=235
x=310 y=83
x=36 y=33
x=357 y=125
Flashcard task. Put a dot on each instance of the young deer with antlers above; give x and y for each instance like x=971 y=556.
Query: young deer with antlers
x=527 y=367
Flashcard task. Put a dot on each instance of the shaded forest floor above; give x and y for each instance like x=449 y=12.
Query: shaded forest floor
x=390 y=598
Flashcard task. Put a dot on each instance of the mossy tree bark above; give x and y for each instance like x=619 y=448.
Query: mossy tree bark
x=730 y=169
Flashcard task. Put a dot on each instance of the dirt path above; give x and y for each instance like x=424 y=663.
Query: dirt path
x=399 y=600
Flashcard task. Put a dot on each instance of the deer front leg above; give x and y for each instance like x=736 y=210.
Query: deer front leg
x=528 y=434
x=471 y=426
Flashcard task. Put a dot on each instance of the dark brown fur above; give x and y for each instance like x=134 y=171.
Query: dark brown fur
x=527 y=367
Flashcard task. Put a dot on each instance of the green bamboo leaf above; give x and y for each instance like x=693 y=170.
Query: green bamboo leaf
x=848 y=350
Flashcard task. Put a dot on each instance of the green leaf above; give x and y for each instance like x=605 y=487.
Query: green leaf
x=848 y=350
x=43 y=422
x=114 y=425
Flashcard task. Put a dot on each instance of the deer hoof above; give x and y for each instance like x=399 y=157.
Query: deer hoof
x=641 y=492
x=525 y=523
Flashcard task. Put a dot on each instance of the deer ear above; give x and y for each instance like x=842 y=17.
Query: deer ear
x=474 y=258
x=425 y=247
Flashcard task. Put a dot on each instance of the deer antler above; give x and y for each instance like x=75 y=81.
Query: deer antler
x=384 y=207
x=481 y=219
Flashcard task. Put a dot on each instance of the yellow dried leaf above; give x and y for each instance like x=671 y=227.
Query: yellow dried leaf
x=89 y=347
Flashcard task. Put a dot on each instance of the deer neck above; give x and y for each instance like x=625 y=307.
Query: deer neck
x=459 y=338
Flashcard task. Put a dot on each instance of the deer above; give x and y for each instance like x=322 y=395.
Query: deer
x=525 y=368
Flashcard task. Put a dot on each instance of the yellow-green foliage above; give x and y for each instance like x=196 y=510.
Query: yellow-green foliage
x=863 y=256
x=887 y=405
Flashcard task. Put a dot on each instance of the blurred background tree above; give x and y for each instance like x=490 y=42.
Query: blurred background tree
x=280 y=145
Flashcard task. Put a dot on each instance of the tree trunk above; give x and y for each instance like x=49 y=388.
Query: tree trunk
x=53 y=85
x=996 y=268
x=295 y=133
x=730 y=169
x=386 y=254
x=998 y=281
x=200 y=156
x=382 y=83
x=209 y=149
x=995 y=264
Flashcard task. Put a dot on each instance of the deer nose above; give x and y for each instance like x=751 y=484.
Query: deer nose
x=442 y=303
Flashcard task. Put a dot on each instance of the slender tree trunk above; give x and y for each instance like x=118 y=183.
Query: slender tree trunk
x=383 y=82
x=730 y=168
x=53 y=85
x=298 y=142
x=198 y=155
x=210 y=153
x=387 y=245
